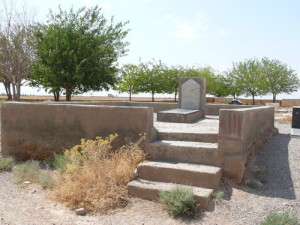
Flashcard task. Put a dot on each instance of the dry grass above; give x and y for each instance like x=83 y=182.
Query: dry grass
x=96 y=176
x=285 y=119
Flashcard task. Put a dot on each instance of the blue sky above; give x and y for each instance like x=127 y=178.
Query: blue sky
x=201 y=32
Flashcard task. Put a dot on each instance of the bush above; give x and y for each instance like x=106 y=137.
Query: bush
x=6 y=163
x=96 y=175
x=280 y=219
x=27 y=171
x=46 y=180
x=218 y=196
x=179 y=201
x=58 y=162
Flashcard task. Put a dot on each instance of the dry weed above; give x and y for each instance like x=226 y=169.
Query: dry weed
x=99 y=175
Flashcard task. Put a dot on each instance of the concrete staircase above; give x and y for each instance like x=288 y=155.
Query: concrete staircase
x=177 y=158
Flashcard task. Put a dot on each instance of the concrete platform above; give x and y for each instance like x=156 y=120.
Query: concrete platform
x=207 y=125
x=181 y=173
x=179 y=115
x=150 y=190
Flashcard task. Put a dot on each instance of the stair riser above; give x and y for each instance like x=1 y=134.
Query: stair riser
x=206 y=156
x=153 y=195
x=209 y=138
x=194 y=178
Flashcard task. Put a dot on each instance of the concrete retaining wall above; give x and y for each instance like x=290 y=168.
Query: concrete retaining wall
x=290 y=102
x=241 y=134
x=214 y=109
x=34 y=131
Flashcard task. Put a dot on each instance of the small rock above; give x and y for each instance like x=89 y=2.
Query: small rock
x=33 y=191
x=26 y=182
x=80 y=211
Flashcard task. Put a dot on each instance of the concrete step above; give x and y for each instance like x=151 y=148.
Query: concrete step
x=194 y=137
x=184 y=151
x=150 y=190
x=181 y=173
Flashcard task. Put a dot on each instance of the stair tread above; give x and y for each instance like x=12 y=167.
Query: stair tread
x=186 y=144
x=182 y=166
x=162 y=186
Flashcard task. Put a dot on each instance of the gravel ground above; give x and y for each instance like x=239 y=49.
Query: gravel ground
x=279 y=163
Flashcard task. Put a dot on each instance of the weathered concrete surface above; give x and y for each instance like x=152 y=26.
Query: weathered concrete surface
x=182 y=173
x=183 y=151
x=241 y=134
x=34 y=131
x=181 y=136
x=150 y=190
x=214 y=109
x=179 y=115
x=275 y=105
x=192 y=93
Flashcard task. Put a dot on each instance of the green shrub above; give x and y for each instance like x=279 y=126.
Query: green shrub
x=179 y=201
x=280 y=219
x=218 y=196
x=57 y=161
x=27 y=171
x=6 y=163
x=46 y=180
x=253 y=183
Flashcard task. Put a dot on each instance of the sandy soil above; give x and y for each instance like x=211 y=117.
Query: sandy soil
x=278 y=161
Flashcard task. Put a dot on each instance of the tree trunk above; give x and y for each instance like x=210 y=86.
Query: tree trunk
x=253 y=101
x=18 y=91
x=274 y=98
x=153 y=96
x=69 y=94
x=129 y=95
x=7 y=86
x=234 y=96
x=14 y=92
x=56 y=95
x=175 y=96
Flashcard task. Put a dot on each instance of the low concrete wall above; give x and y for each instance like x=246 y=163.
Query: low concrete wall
x=241 y=134
x=290 y=102
x=36 y=130
x=214 y=109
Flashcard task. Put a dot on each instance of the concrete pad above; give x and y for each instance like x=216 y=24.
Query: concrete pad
x=179 y=115
x=182 y=173
x=150 y=190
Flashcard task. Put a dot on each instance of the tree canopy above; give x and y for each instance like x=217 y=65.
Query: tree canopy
x=77 y=51
x=279 y=78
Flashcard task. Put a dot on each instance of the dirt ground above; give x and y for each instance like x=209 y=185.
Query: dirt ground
x=278 y=162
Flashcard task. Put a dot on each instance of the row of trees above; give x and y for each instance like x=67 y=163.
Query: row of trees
x=73 y=52
x=77 y=51
x=252 y=77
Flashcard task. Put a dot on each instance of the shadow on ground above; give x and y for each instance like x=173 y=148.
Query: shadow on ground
x=271 y=166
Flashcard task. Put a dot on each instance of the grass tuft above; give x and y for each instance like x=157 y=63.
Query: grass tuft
x=96 y=175
x=179 y=201
x=6 y=163
x=280 y=219
x=27 y=171
x=46 y=180
x=218 y=196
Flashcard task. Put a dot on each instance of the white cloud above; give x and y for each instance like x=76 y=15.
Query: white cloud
x=105 y=5
x=186 y=29
x=86 y=2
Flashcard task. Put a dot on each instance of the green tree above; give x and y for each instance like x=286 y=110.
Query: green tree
x=17 y=48
x=206 y=72
x=77 y=51
x=171 y=80
x=128 y=80
x=151 y=77
x=249 y=76
x=279 y=78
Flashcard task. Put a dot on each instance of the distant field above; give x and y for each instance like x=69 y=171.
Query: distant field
x=93 y=98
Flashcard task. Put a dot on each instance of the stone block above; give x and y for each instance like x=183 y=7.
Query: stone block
x=179 y=115
x=192 y=93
